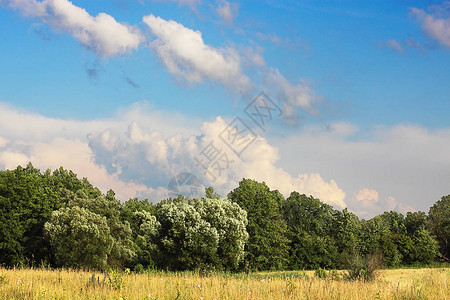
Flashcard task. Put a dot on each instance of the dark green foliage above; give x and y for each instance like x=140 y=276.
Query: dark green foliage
x=267 y=247
x=415 y=221
x=425 y=247
x=438 y=224
x=27 y=199
x=320 y=273
x=311 y=225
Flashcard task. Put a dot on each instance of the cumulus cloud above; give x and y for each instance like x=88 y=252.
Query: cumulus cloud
x=102 y=33
x=437 y=23
x=145 y=156
x=227 y=11
x=138 y=153
x=10 y=160
x=366 y=204
x=51 y=143
x=185 y=54
x=407 y=163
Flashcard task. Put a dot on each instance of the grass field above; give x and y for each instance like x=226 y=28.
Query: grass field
x=67 y=284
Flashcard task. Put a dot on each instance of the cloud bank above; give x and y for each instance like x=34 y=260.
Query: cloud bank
x=140 y=158
x=139 y=151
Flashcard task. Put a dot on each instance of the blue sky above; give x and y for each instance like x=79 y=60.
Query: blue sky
x=129 y=93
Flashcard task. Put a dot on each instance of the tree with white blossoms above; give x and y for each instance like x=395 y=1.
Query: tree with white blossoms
x=230 y=221
x=79 y=238
x=201 y=233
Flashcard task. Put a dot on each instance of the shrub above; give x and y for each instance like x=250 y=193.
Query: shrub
x=363 y=268
x=320 y=273
x=139 y=269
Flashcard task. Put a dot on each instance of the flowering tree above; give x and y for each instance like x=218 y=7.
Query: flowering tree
x=201 y=233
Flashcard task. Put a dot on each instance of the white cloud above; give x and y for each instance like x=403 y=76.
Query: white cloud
x=366 y=204
x=227 y=11
x=408 y=163
x=147 y=157
x=102 y=33
x=50 y=143
x=139 y=152
x=437 y=24
x=10 y=160
x=3 y=142
x=292 y=96
x=185 y=54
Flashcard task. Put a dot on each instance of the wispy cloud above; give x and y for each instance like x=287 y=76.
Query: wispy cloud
x=394 y=45
x=437 y=23
x=227 y=11
x=101 y=34
x=293 y=96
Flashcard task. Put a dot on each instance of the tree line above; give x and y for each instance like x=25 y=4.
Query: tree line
x=56 y=219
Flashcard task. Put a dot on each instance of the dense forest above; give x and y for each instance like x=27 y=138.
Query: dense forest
x=57 y=220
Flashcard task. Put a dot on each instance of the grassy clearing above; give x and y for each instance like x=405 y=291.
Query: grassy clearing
x=69 y=284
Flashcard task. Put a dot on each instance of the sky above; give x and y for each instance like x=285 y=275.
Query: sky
x=346 y=101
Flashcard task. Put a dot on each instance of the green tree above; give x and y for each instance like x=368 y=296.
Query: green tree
x=267 y=247
x=145 y=237
x=230 y=221
x=345 y=233
x=27 y=200
x=376 y=236
x=439 y=224
x=201 y=233
x=209 y=191
x=186 y=241
x=79 y=238
x=415 y=221
x=311 y=224
x=425 y=247
x=123 y=249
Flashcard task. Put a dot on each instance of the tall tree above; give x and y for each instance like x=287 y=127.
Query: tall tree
x=310 y=226
x=79 y=238
x=267 y=247
x=439 y=224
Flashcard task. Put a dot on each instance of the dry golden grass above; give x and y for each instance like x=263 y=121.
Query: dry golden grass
x=62 y=284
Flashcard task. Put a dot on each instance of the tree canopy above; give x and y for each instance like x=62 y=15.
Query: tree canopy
x=60 y=220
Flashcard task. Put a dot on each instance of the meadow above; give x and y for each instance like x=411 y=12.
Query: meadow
x=424 y=283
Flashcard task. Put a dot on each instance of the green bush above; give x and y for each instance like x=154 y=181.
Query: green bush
x=139 y=269
x=363 y=268
x=320 y=273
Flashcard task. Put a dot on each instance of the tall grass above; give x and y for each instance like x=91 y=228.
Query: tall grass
x=71 y=284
